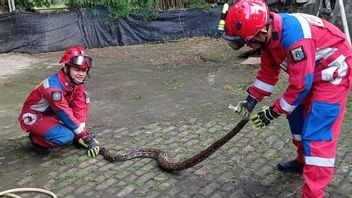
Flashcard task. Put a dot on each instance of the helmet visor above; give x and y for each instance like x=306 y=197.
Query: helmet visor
x=235 y=42
x=81 y=60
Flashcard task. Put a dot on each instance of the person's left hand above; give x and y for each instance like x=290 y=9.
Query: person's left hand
x=263 y=118
x=93 y=146
x=245 y=108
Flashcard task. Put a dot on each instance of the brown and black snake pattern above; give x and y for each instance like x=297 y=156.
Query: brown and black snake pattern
x=163 y=162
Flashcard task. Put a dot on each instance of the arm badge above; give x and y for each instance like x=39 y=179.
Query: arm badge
x=56 y=96
x=297 y=54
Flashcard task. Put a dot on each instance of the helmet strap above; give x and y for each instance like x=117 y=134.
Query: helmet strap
x=267 y=27
x=264 y=43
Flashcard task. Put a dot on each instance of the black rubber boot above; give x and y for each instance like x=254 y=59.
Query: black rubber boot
x=37 y=148
x=290 y=166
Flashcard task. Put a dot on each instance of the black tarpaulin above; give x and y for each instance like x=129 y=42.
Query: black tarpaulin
x=34 y=32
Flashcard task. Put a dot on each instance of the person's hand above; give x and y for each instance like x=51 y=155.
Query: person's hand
x=245 y=108
x=263 y=118
x=93 y=146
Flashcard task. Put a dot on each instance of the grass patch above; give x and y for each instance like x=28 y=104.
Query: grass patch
x=239 y=89
x=139 y=183
x=71 y=160
x=71 y=175
x=173 y=84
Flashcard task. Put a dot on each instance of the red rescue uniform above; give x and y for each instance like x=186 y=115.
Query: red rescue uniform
x=54 y=112
x=317 y=58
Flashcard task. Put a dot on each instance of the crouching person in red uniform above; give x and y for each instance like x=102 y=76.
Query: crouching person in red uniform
x=56 y=111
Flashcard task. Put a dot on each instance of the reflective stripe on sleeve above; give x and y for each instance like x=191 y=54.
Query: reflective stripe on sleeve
x=284 y=64
x=41 y=106
x=324 y=53
x=305 y=25
x=328 y=73
x=79 y=129
x=296 y=137
x=285 y=106
x=46 y=83
x=319 y=161
x=263 y=86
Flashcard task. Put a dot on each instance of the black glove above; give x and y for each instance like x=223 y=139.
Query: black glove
x=263 y=118
x=93 y=146
x=245 y=108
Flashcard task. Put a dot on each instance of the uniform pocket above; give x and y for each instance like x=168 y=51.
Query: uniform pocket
x=319 y=121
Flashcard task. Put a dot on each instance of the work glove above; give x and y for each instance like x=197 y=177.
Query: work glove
x=245 y=108
x=263 y=118
x=92 y=145
x=81 y=141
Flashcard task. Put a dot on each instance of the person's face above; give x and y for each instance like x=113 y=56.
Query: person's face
x=259 y=39
x=78 y=74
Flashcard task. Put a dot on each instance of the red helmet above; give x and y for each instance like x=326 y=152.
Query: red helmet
x=246 y=18
x=76 y=57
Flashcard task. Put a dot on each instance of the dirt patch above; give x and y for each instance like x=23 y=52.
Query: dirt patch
x=12 y=63
x=131 y=86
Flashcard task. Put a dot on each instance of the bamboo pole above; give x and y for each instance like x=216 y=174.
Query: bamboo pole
x=344 y=21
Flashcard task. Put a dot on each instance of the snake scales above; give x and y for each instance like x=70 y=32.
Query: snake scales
x=161 y=159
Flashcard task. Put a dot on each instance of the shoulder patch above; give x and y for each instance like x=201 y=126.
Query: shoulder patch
x=56 y=96
x=297 y=54
x=312 y=19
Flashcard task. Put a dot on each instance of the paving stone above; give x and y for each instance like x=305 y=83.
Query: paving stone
x=345 y=188
x=100 y=178
x=218 y=194
x=106 y=184
x=125 y=191
x=106 y=167
x=82 y=189
x=209 y=189
x=68 y=196
x=66 y=191
x=278 y=145
x=155 y=194
x=89 y=194
x=121 y=175
x=238 y=194
x=146 y=177
x=24 y=181
x=270 y=153
x=105 y=132
x=212 y=129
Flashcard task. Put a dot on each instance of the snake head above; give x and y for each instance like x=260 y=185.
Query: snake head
x=107 y=155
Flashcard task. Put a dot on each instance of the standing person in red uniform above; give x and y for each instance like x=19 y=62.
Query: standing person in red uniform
x=56 y=111
x=317 y=58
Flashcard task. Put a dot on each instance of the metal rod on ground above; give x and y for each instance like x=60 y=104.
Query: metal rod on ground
x=344 y=20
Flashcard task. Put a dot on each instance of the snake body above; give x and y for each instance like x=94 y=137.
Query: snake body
x=162 y=160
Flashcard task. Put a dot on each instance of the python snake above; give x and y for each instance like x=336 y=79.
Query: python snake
x=161 y=159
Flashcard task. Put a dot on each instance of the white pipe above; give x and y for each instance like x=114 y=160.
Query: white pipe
x=344 y=21
x=10 y=5
x=13 y=5
x=8 y=193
